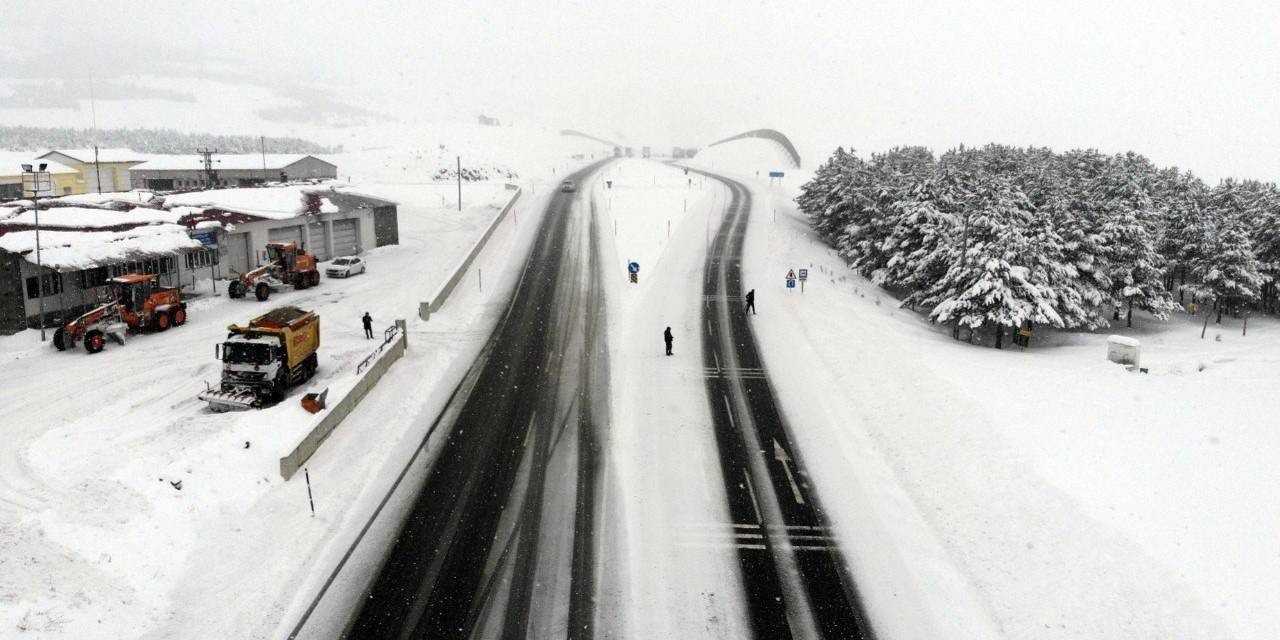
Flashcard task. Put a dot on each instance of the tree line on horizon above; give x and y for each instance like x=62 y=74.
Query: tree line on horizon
x=159 y=141
x=1008 y=238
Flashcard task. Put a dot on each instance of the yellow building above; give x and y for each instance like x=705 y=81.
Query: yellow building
x=112 y=167
x=66 y=181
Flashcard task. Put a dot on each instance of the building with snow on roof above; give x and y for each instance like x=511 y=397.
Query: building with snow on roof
x=182 y=238
x=182 y=172
x=64 y=178
x=104 y=170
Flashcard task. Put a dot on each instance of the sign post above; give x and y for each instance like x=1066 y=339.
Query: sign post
x=791 y=278
x=633 y=268
x=804 y=275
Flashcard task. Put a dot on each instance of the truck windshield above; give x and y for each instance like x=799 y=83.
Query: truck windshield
x=241 y=353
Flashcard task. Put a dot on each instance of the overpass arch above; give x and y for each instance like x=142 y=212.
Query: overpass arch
x=767 y=134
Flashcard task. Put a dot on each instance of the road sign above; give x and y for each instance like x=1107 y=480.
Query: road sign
x=776 y=174
x=791 y=274
x=633 y=267
x=804 y=275
x=206 y=238
x=635 y=278
x=791 y=283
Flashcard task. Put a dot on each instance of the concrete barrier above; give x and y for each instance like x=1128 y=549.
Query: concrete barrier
x=442 y=294
x=291 y=463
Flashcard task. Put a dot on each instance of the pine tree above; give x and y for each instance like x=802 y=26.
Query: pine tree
x=988 y=285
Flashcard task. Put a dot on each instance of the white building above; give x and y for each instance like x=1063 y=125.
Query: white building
x=179 y=172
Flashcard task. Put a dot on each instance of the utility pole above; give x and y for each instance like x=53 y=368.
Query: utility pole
x=209 y=173
x=37 y=180
x=97 y=169
x=459 y=183
x=262 y=142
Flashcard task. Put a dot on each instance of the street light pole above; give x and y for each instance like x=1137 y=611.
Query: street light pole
x=35 y=179
x=459 y=183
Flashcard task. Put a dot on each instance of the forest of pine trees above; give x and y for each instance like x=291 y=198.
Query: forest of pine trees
x=1002 y=239
x=22 y=138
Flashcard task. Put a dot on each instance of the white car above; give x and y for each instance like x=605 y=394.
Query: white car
x=345 y=267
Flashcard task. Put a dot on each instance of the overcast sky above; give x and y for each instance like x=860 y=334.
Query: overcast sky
x=1193 y=85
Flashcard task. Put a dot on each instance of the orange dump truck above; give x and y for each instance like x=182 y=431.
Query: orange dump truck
x=262 y=360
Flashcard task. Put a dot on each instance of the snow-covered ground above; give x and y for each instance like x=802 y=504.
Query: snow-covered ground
x=97 y=540
x=667 y=506
x=1044 y=493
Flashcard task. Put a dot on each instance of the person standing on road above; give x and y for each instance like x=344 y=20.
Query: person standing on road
x=666 y=337
x=368 y=325
x=751 y=301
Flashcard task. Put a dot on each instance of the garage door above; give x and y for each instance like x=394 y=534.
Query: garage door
x=317 y=247
x=282 y=234
x=238 y=252
x=346 y=237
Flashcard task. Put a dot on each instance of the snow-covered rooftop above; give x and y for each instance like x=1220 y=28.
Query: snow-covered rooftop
x=266 y=202
x=11 y=163
x=73 y=250
x=87 y=218
x=128 y=197
x=227 y=162
x=104 y=155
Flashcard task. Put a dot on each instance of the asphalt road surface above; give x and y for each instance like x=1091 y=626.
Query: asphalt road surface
x=500 y=540
x=796 y=581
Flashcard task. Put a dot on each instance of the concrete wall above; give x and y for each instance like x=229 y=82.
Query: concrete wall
x=339 y=410
x=442 y=294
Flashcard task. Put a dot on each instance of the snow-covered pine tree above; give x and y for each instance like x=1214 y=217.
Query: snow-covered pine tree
x=1228 y=271
x=990 y=284
x=1078 y=220
x=1133 y=267
x=1263 y=218
x=921 y=244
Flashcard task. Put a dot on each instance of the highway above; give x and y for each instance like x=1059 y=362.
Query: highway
x=796 y=581
x=499 y=542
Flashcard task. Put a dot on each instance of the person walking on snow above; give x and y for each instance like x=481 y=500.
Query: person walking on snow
x=368 y=325
x=666 y=337
x=751 y=301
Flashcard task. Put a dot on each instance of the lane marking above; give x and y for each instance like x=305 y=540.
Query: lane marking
x=752 y=490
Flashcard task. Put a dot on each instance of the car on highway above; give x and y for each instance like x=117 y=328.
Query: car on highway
x=568 y=185
x=345 y=267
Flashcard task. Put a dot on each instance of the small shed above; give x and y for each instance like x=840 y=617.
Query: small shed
x=1123 y=350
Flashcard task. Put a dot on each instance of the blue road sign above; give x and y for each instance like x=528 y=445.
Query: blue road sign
x=776 y=174
x=804 y=274
x=633 y=267
x=791 y=284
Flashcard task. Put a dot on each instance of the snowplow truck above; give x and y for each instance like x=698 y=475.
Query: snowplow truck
x=286 y=265
x=137 y=304
x=260 y=361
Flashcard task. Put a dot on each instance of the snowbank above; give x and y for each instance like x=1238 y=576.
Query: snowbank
x=749 y=156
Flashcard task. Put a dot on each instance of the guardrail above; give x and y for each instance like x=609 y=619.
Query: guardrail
x=378 y=362
x=387 y=336
x=442 y=294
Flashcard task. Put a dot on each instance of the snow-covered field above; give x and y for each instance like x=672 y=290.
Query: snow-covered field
x=1043 y=493
x=97 y=537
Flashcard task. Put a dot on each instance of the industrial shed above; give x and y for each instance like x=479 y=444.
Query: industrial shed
x=183 y=172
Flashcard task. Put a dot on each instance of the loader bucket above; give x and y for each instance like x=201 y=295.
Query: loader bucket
x=230 y=400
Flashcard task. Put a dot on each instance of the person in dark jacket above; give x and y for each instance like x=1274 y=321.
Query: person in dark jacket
x=751 y=301
x=666 y=337
x=368 y=325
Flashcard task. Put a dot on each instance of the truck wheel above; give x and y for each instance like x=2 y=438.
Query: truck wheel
x=262 y=291
x=58 y=337
x=94 y=341
x=314 y=278
x=161 y=322
x=235 y=289
x=309 y=369
x=178 y=317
